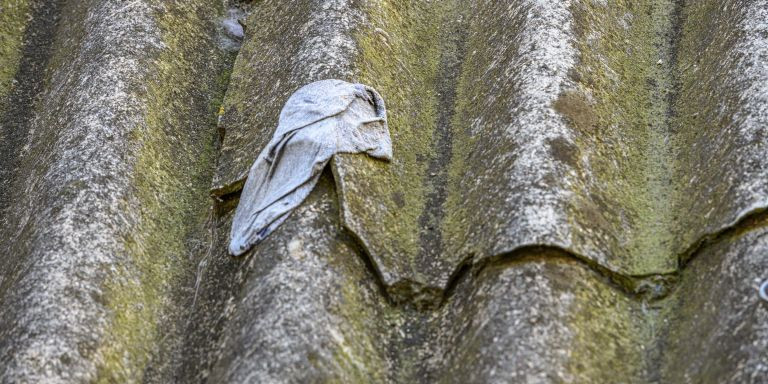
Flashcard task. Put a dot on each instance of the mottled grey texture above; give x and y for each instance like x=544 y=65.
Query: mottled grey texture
x=494 y=159
x=719 y=331
x=563 y=143
x=308 y=310
x=575 y=195
x=722 y=115
x=543 y=318
x=319 y=120
x=105 y=187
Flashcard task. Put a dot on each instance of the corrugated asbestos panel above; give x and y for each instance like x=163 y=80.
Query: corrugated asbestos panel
x=552 y=160
x=718 y=329
x=288 y=44
x=109 y=160
x=574 y=130
x=721 y=113
x=307 y=309
x=520 y=124
x=543 y=318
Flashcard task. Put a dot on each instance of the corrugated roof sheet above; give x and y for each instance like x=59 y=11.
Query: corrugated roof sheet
x=577 y=193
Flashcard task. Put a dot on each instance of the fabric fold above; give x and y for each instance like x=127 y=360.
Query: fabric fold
x=319 y=120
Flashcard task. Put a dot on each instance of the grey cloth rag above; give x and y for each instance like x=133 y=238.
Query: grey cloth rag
x=319 y=120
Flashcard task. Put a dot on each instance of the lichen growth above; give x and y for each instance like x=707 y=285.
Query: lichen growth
x=614 y=334
x=399 y=57
x=484 y=97
x=713 y=116
x=620 y=110
x=14 y=15
x=362 y=360
x=171 y=177
x=265 y=73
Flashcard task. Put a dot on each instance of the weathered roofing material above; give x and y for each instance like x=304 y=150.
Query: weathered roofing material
x=576 y=194
x=111 y=168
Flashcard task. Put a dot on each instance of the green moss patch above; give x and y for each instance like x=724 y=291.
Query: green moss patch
x=171 y=180
x=14 y=15
x=620 y=110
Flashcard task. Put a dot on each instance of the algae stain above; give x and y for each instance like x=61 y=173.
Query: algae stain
x=612 y=334
x=658 y=237
x=399 y=56
x=14 y=16
x=362 y=359
x=575 y=107
x=473 y=86
x=563 y=151
x=451 y=51
x=171 y=177
x=621 y=108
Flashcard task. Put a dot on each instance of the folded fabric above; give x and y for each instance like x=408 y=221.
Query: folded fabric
x=319 y=120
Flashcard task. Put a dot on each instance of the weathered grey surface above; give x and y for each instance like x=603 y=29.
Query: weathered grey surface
x=557 y=134
x=105 y=188
x=719 y=330
x=555 y=170
x=14 y=18
x=722 y=115
x=308 y=310
x=544 y=318
x=549 y=125
x=320 y=120
x=26 y=33
x=561 y=132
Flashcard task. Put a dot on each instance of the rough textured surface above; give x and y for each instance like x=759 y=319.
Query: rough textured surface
x=14 y=17
x=561 y=134
x=292 y=320
x=110 y=177
x=26 y=30
x=576 y=193
x=719 y=330
x=722 y=115
x=565 y=130
x=543 y=318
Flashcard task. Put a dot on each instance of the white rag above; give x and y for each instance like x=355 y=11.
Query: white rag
x=319 y=120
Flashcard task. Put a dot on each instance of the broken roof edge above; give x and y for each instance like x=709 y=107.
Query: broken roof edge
x=430 y=294
x=424 y=294
x=748 y=219
x=222 y=191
